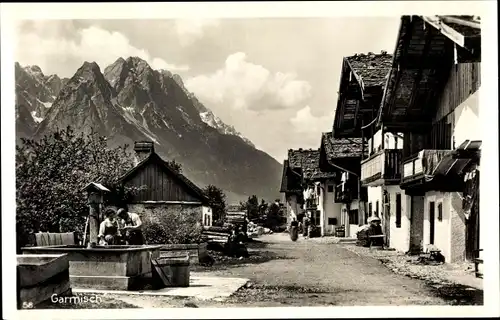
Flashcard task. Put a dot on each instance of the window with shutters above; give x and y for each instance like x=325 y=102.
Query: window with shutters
x=440 y=211
x=370 y=209
x=398 y=210
x=353 y=217
x=376 y=209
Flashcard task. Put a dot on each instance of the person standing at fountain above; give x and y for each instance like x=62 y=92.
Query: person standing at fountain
x=108 y=230
x=132 y=227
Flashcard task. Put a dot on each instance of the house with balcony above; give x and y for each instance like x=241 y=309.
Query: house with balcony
x=310 y=190
x=342 y=157
x=362 y=82
x=292 y=191
x=431 y=100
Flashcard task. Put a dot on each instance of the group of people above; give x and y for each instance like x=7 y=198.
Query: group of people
x=120 y=227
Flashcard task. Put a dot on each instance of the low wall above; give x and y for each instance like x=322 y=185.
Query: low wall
x=41 y=276
x=196 y=252
x=110 y=267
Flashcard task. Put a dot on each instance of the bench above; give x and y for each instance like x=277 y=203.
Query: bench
x=372 y=239
x=53 y=239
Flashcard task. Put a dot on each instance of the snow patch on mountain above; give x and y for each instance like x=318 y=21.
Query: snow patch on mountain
x=215 y=122
x=35 y=118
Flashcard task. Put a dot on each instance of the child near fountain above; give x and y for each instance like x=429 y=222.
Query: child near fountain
x=108 y=229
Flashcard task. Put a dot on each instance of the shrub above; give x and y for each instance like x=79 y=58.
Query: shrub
x=174 y=227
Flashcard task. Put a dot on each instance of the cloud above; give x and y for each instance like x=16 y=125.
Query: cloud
x=306 y=123
x=190 y=30
x=244 y=85
x=92 y=44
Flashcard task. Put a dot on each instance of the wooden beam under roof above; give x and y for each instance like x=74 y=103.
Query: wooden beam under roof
x=446 y=30
x=468 y=23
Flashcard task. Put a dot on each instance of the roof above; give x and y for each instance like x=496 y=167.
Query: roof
x=95 y=186
x=307 y=161
x=183 y=179
x=336 y=148
x=370 y=69
x=362 y=82
x=426 y=49
x=290 y=180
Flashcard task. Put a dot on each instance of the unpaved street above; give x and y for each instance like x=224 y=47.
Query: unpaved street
x=308 y=273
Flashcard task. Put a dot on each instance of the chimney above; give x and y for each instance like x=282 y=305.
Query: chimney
x=142 y=150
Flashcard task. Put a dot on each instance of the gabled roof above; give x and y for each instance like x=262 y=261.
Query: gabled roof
x=336 y=148
x=290 y=180
x=426 y=49
x=180 y=177
x=371 y=69
x=307 y=161
x=362 y=81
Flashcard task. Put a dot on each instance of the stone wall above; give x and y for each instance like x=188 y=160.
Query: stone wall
x=152 y=212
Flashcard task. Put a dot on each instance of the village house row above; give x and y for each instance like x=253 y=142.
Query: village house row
x=405 y=143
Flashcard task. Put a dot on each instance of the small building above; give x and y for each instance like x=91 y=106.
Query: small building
x=309 y=190
x=431 y=98
x=165 y=189
x=362 y=81
x=291 y=188
x=342 y=156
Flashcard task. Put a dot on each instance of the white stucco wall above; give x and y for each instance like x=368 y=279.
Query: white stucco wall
x=399 y=237
x=374 y=195
x=466 y=120
x=329 y=209
x=292 y=208
x=449 y=234
x=391 y=141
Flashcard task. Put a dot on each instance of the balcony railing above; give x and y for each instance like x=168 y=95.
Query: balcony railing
x=349 y=191
x=422 y=163
x=383 y=166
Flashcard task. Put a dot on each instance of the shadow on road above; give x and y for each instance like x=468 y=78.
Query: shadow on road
x=458 y=294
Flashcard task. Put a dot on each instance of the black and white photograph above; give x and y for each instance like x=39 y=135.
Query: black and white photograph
x=226 y=156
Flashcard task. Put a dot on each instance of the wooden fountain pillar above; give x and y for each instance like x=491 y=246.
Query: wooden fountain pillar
x=95 y=197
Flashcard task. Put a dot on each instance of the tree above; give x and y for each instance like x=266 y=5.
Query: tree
x=217 y=201
x=51 y=172
x=175 y=166
x=252 y=207
x=263 y=209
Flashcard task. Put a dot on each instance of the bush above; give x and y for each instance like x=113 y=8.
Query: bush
x=50 y=173
x=174 y=228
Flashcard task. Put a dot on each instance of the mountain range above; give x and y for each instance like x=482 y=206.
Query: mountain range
x=129 y=101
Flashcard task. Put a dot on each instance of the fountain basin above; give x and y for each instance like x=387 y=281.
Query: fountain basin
x=105 y=267
x=41 y=276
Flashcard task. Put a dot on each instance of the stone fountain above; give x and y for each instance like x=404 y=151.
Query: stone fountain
x=114 y=267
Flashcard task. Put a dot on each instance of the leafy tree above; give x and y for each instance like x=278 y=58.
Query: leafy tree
x=175 y=165
x=263 y=208
x=252 y=207
x=216 y=200
x=50 y=174
x=273 y=216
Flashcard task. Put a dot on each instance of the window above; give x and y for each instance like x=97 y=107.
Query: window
x=370 y=209
x=332 y=221
x=398 y=210
x=330 y=188
x=316 y=217
x=432 y=220
x=440 y=211
x=376 y=209
x=353 y=217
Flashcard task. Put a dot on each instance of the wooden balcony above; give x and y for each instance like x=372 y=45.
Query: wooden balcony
x=382 y=167
x=421 y=164
x=348 y=192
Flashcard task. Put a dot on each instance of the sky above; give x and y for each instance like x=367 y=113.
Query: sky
x=274 y=79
